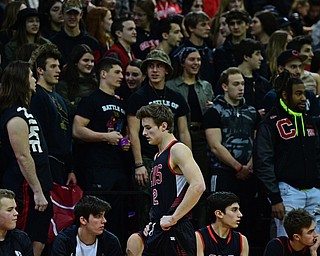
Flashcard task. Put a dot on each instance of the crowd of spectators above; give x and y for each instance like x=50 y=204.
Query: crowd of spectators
x=232 y=70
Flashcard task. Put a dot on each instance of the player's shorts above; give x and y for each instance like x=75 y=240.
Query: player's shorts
x=178 y=240
x=34 y=223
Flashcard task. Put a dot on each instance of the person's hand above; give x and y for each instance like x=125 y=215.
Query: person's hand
x=166 y=222
x=262 y=112
x=278 y=211
x=245 y=173
x=40 y=202
x=113 y=137
x=147 y=229
x=313 y=249
x=72 y=179
x=209 y=104
x=141 y=175
x=126 y=146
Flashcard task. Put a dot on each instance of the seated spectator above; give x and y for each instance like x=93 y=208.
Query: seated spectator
x=224 y=210
x=88 y=236
x=302 y=236
x=13 y=241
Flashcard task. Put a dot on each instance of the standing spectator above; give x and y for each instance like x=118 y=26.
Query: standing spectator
x=277 y=44
x=313 y=13
x=27 y=172
x=77 y=80
x=13 y=241
x=51 y=111
x=157 y=67
x=124 y=33
x=263 y=24
x=54 y=17
x=10 y=17
x=176 y=182
x=248 y=54
x=197 y=25
x=166 y=8
x=224 y=211
x=199 y=95
x=299 y=9
x=224 y=55
x=230 y=127
x=98 y=24
x=291 y=61
x=219 y=30
x=71 y=34
x=133 y=79
x=169 y=33
x=88 y=236
x=110 y=5
x=100 y=123
x=302 y=236
x=144 y=17
x=303 y=45
x=288 y=133
x=192 y=6
x=28 y=31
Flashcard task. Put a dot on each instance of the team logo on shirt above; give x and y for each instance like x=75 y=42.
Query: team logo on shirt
x=156 y=179
x=34 y=139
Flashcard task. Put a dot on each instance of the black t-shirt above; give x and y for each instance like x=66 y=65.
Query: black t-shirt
x=13 y=178
x=193 y=100
x=16 y=243
x=147 y=95
x=106 y=114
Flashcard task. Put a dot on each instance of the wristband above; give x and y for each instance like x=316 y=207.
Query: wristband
x=138 y=165
x=239 y=169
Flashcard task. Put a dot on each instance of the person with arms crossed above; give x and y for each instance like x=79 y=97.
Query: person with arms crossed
x=176 y=183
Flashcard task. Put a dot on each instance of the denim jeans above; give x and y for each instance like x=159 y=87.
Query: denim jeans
x=293 y=198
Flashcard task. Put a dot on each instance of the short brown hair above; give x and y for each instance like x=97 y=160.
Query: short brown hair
x=159 y=113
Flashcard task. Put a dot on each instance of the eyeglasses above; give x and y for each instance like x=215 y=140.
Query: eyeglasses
x=140 y=15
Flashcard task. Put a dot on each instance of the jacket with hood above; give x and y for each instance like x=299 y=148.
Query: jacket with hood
x=237 y=124
x=286 y=150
